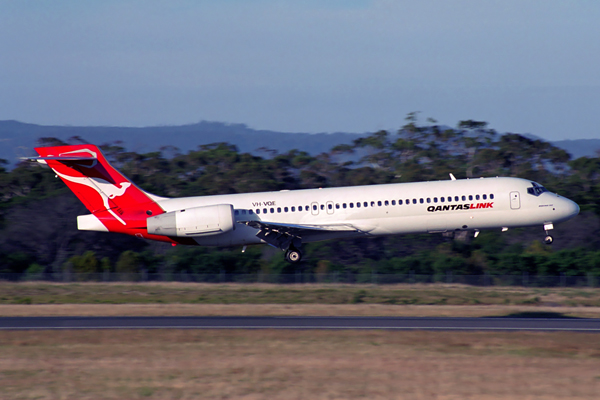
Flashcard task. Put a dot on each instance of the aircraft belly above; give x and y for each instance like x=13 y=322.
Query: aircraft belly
x=331 y=235
x=242 y=235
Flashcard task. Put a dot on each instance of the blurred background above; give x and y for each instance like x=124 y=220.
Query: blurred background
x=210 y=97
x=39 y=235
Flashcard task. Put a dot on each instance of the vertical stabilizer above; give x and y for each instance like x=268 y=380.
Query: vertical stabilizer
x=114 y=200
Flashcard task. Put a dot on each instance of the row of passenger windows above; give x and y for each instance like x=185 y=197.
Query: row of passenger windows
x=379 y=203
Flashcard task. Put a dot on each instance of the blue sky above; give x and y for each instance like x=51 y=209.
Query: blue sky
x=524 y=66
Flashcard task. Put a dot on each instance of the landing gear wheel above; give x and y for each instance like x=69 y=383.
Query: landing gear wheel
x=293 y=256
x=548 y=239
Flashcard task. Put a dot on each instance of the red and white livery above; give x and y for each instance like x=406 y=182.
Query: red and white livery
x=286 y=219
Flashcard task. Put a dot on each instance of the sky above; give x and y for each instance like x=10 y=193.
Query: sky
x=524 y=66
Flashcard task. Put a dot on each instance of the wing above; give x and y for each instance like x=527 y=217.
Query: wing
x=282 y=235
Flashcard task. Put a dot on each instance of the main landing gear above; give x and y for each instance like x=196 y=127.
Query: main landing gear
x=293 y=255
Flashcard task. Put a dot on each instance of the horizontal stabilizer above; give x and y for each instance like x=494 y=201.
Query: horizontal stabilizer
x=59 y=158
x=67 y=159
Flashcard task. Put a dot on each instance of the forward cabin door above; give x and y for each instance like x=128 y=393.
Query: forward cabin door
x=515 y=200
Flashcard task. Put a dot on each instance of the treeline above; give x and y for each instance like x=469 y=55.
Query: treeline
x=38 y=224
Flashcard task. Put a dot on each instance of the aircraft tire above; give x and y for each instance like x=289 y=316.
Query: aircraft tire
x=293 y=256
x=548 y=239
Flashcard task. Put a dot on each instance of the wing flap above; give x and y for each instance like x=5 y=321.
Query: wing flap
x=298 y=229
x=283 y=236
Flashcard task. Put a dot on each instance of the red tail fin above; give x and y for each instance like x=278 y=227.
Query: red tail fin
x=116 y=202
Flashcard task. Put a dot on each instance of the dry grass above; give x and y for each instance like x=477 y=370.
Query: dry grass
x=184 y=364
x=177 y=309
x=194 y=293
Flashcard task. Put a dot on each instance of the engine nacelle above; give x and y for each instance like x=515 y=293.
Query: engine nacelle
x=196 y=221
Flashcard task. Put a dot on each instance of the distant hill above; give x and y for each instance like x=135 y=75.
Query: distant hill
x=580 y=147
x=18 y=138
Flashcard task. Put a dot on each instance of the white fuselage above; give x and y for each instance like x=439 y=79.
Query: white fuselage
x=421 y=207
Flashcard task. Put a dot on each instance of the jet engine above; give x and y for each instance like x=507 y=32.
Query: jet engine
x=195 y=221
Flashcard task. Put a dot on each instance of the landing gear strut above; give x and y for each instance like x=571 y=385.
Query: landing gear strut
x=548 y=239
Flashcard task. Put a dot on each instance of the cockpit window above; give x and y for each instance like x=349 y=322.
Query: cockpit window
x=536 y=189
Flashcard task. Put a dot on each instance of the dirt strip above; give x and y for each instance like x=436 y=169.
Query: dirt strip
x=31 y=310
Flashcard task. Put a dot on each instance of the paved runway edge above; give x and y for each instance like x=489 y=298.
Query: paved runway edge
x=337 y=323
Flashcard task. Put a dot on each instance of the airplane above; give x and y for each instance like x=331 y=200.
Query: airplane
x=289 y=218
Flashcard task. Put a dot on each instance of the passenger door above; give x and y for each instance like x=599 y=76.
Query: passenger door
x=515 y=200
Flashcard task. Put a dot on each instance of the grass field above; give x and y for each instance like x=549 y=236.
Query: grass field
x=266 y=364
x=280 y=364
x=146 y=299
x=194 y=293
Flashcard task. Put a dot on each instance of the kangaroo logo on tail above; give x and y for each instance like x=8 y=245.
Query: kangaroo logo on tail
x=118 y=204
x=105 y=189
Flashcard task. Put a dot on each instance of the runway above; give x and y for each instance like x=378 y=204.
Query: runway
x=387 y=323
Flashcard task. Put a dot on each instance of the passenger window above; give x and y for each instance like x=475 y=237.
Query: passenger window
x=491 y=196
x=400 y=202
x=470 y=197
x=344 y=205
x=449 y=199
x=379 y=202
x=285 y=209
x=337 y=206
x=485 y=196
x=299 y=208
x=414 y=201
x=387 y=203
x=330 y=206
x=264 y=210
x=258 y=210
x=294 y=209
x=272 y=210
x=429 y=199
x=442 y=199
x=322 y=206
x=421 y=201
x=476 y=197
x=278 y=209
x=455 y=198
x=372 y=204
x=366 y=204
x=315 y=207
x=237 y=212
x=393 y=202
x=351 y=205
x=464 y=198
x=435 y=199
x=358 y=204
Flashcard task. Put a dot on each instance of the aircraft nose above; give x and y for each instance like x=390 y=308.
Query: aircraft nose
x=575 y=208
x=569 y=208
